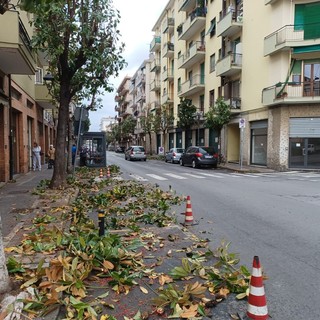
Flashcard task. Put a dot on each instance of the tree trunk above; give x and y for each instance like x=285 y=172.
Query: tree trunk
x=59 y=177
x=150 y=142
x=4 y=276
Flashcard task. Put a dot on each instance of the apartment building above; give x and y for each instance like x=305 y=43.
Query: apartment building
x=26 y=111
x=261 y=57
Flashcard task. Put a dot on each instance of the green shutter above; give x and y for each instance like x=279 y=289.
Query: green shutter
x=297 y=67
x=299 y=16
x=312 y=21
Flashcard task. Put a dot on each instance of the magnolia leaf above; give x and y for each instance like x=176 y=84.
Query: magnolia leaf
x=144 y=290
x=29 y=283
x=177 y=311
x=241 y=295
x=108 y=265
x=164 y=279
x=234 y=316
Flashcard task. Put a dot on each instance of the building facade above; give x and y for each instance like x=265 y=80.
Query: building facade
x=261 y=57
x=26 y=112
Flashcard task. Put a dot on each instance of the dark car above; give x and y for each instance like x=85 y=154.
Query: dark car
x=120 y=149
x=173 y=155
x=199 y=157
x=135 y=153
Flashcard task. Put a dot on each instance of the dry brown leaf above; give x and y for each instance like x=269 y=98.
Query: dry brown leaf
x=224 y=292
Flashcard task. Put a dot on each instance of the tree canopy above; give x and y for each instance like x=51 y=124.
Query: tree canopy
x=186 y=112
x=81 y=42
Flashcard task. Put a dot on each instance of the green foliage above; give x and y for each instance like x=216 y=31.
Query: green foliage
x=218 y=115
x=127 y=126
x=186 y=111
x=14 y=266
x=163 y=119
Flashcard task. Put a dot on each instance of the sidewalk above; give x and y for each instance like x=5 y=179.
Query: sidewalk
x=169 y=246
x=246 y=169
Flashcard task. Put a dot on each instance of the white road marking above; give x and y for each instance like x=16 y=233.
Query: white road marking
x=154 y=176
x=194 y=176
x=175 y=176
x=139 y=178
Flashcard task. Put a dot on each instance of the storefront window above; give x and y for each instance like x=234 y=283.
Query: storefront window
x=259 y=146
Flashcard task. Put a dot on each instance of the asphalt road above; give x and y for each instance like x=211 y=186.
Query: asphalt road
x=275 y=216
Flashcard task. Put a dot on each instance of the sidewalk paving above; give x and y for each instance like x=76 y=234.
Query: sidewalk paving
x=17 y=199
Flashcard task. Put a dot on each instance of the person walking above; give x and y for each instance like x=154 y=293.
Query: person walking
x=74 y=153
x=51 y=155
x=36 y=157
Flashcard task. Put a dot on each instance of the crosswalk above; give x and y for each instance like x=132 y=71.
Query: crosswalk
x=291 y=175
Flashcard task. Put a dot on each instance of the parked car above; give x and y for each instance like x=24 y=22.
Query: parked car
x=173 y=155
x=135 y=153
x=120 y=149
x=199 y=157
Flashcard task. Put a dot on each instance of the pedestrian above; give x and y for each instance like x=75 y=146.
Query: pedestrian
x=51 y=155
x=36 y=156
x=83 y=156
x=74 y=152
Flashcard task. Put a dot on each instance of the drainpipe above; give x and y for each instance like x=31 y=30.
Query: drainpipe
x=10 y=132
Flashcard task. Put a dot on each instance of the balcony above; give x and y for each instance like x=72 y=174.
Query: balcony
x=155 y=66
x=132 y=88
x=307 y=92
x=154 y=105
x=155 y=85
x=229 y=65
x=269 y=1
x=230 y=24
x=116 y=108
x=168 y=25
x=155 y=44
x=192 y=86
x=195 y=23
x=194 y=55
x=43 y=97
x=167 y=97
x=293 y=36
x=16 y=56
x=234 y=102
x=168 y=50
x=140 y=97
x=141 y=79
x=186 y=5
x=167 y=75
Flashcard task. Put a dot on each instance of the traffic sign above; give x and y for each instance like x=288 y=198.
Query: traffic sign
x=242 y=123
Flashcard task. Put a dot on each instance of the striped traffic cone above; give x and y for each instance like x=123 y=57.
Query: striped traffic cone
x=188 y=215
x=101 y=174
x=257 y=302
x=108 y=172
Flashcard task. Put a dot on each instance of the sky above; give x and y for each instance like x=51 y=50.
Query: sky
x=138 y=17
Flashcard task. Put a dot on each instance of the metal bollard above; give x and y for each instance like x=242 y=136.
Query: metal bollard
x=101 y=216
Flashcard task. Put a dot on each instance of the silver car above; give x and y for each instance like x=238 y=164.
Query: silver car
x=135 y=153
x=173 y=155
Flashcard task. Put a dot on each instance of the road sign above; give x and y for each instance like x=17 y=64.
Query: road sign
x=242 y=123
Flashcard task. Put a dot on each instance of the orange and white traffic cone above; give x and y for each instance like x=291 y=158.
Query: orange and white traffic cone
x=108 y=173
x=101 y=174
x=257 y=302
x=188 y=215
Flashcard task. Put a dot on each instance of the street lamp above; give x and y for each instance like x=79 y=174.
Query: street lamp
x=198 y=116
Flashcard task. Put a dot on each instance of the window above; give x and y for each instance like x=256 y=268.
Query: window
x=179 y=85
x=39 y=76
x=212 y=62
x=212 y=29
x=201 y=103
x=16 y=94
x=211 y=98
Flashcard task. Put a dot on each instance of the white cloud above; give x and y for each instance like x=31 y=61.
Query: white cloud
x=138 y=17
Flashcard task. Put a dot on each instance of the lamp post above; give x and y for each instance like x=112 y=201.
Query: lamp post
x=198 y=116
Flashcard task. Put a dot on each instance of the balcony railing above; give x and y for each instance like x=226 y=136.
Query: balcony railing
x=16 y=56
x=167 y=97
x=155 y=85
x=155 y=43
x=140 y=79
x=167 y=75
x=229 y=24
x=186 y=5
x=269 y=1
x=234 y=102
x=292 y=93
x=195 y=54
x=168 y=25
x=291 y=36
x=155 y=66
x=229 y=65
x=154 y=105
x=195 y=23
x=168 y=50
x=192 y=86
